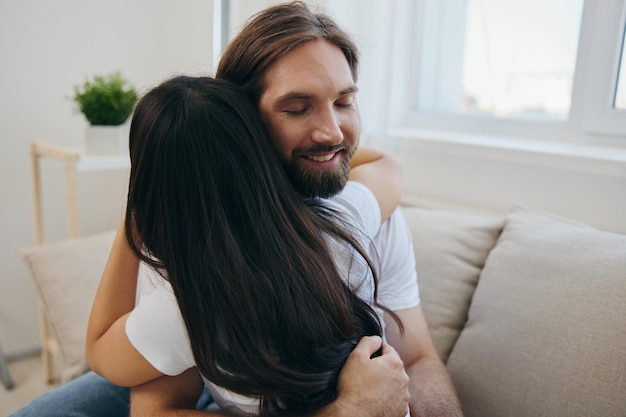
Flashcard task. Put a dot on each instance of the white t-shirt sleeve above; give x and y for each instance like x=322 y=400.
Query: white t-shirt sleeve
x=397 y=286
x=157 y=330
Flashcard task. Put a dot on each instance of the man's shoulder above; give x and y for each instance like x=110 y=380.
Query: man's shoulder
x=358 y=205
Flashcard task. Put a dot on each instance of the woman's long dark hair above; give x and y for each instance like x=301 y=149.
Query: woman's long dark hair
x=210 y=206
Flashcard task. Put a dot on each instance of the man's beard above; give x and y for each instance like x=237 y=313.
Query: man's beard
x=315 y=182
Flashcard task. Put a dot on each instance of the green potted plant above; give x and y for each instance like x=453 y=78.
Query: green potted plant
x=106 y=101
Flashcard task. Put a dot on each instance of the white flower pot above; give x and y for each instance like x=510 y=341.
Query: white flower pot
x=106 y=140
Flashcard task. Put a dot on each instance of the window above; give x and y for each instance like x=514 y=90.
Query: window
x=526 y=67
x=520 y=56
x=514 y=59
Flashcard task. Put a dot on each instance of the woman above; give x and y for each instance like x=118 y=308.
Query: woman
x=265 y=294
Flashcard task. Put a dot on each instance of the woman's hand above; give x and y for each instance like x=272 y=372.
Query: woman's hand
x=382 y=174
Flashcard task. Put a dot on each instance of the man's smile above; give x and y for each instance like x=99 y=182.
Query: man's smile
x=321 y=158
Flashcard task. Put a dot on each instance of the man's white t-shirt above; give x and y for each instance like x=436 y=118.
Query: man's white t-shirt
x=156 y=328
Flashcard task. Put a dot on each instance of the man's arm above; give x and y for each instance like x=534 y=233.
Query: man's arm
x=431 y=388
x=367 y=387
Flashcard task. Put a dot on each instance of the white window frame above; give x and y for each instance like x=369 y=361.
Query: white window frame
x=592 y=117
x=599 y=114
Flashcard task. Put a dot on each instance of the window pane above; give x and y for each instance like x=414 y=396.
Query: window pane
x=518 y=59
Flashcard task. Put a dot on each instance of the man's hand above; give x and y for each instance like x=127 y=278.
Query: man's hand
x=377 y=387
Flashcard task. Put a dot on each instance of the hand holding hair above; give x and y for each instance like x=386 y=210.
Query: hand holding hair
x=383 y=376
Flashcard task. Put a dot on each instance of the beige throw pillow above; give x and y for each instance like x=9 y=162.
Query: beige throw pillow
x=67 y=274
x=546 y=334
x=450 y=250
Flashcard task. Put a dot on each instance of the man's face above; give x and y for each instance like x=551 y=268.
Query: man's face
x=309 y=109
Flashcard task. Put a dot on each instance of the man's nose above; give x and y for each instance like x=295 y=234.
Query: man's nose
x=327 y=129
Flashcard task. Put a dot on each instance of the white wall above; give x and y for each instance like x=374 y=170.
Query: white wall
x=460 y=171
x=46 y=47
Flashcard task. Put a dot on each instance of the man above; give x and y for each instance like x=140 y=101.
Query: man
x=302 y=69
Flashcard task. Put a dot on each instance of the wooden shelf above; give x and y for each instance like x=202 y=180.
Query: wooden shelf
x=74 y=161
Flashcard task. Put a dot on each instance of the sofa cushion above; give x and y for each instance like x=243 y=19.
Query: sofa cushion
x=66 y=274
x=450 y=250
x=546 y=334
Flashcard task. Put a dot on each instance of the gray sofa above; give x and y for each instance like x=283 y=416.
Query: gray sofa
x=528 y=311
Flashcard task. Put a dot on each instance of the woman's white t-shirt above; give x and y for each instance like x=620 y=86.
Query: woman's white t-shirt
x=156 y=328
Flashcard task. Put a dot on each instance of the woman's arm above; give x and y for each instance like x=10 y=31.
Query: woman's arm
x=169 y=396
x=108 y=350
x=358 y=380
x=382 y=174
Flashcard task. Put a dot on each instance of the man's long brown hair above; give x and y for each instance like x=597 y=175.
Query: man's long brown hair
x=273 y=32
x=210 y=206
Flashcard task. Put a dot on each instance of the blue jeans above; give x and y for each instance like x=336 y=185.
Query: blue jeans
x=89 y=395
